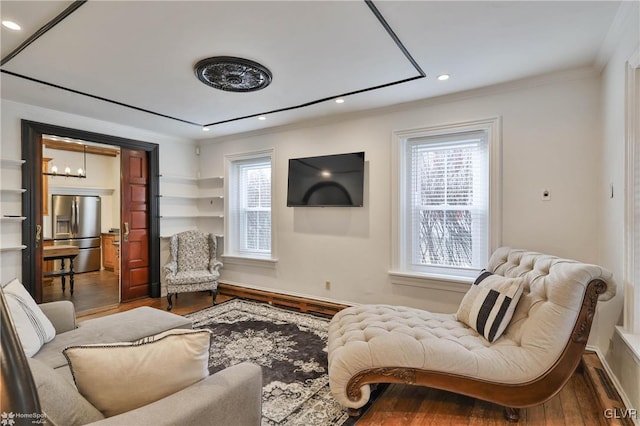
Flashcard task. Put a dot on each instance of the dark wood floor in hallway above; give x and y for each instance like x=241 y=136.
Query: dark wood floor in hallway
x=92 y=291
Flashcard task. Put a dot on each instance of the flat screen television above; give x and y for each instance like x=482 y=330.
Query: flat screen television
x=326 y=181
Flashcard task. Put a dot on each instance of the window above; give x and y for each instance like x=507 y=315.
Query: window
x=447 y=200
x=249 y=205
x=446 y=219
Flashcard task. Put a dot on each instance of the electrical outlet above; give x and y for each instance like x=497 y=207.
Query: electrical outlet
x=545 y=195
x=327 y=285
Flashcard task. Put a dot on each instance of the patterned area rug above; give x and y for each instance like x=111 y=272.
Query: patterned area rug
x=290 y=347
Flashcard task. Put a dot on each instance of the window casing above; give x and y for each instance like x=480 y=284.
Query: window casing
x=447 y=210
x=632 y=217
x=249 y=219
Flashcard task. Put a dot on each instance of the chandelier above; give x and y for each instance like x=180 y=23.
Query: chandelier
x=80 y=173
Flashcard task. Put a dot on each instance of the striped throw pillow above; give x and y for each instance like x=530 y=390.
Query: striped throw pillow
x=32 y=325
x=490 y=303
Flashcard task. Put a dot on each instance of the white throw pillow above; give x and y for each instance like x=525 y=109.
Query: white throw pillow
x=120 y=377
x=490 y=303
x=33 y=327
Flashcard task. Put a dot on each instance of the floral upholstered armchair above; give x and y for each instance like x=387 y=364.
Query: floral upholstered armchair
x=193 y=265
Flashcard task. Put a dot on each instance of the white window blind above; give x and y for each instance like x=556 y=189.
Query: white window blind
x=448 y=197
x=250 y=209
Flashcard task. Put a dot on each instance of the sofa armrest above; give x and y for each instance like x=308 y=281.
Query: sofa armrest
x=62 y=315
x=231 y=397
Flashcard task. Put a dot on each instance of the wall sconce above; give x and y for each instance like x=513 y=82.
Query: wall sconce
x=82 y=171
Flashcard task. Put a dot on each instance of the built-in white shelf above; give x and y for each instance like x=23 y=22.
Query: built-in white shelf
x=12 y=218
x=194 y=216
x=191 y=200
x=210 y=178
x=178 y=178
x=5 y=162
x=13 y=248
x=192 y=197
x=165 y=176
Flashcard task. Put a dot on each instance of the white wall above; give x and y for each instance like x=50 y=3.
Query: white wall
x=624 y=363
x=176 y=157
x=551 y=139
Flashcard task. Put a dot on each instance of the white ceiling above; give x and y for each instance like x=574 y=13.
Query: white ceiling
x=132 y=62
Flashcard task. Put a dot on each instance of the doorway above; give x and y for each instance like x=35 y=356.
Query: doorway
x=81 y=198
x=32 y=139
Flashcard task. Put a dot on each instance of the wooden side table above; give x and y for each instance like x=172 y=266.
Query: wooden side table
x=62 y=253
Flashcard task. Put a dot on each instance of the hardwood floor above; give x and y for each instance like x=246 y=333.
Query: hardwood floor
x=185 y=304
x=92 y=291
x=404 y=405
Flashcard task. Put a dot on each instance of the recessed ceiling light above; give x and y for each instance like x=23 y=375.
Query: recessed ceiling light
x=339 y=101
x=11 y=25
x=443 y=77
x=262 y=117
x=205 y=129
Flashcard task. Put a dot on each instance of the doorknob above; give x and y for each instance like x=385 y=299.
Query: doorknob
x=38 y=235
x=126 y=231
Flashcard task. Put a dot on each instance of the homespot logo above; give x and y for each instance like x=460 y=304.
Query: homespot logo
x=9 y=419
x=6 y=419
x=621 y=413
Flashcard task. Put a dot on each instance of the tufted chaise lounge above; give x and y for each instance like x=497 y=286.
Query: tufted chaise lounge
x=526 y=366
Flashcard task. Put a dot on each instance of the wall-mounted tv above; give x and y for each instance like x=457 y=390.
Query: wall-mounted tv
x=326 y=181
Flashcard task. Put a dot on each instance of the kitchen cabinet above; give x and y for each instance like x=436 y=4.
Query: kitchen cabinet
x=116 y=252
x=110 y=251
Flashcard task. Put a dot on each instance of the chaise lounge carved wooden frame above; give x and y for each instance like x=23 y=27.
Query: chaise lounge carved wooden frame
x=368 y=325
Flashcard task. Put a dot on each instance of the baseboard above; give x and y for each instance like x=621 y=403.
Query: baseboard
x=300 y=303
x=608 y=390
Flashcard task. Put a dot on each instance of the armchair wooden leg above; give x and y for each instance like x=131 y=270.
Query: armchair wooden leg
x=213 y=297
x=169 y=300
x=512 y=415
x=354 y=412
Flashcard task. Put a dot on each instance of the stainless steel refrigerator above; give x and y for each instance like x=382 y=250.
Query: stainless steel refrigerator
x=76 y=221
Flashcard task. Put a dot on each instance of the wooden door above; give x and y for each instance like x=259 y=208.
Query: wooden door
x=135 y=228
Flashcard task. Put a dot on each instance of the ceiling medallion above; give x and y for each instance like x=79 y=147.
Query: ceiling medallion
x=233 y=74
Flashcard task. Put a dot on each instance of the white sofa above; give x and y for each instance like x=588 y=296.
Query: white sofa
x=527 y=365
x=44 y=383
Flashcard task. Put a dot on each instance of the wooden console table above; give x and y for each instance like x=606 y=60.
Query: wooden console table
x=62 y=253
